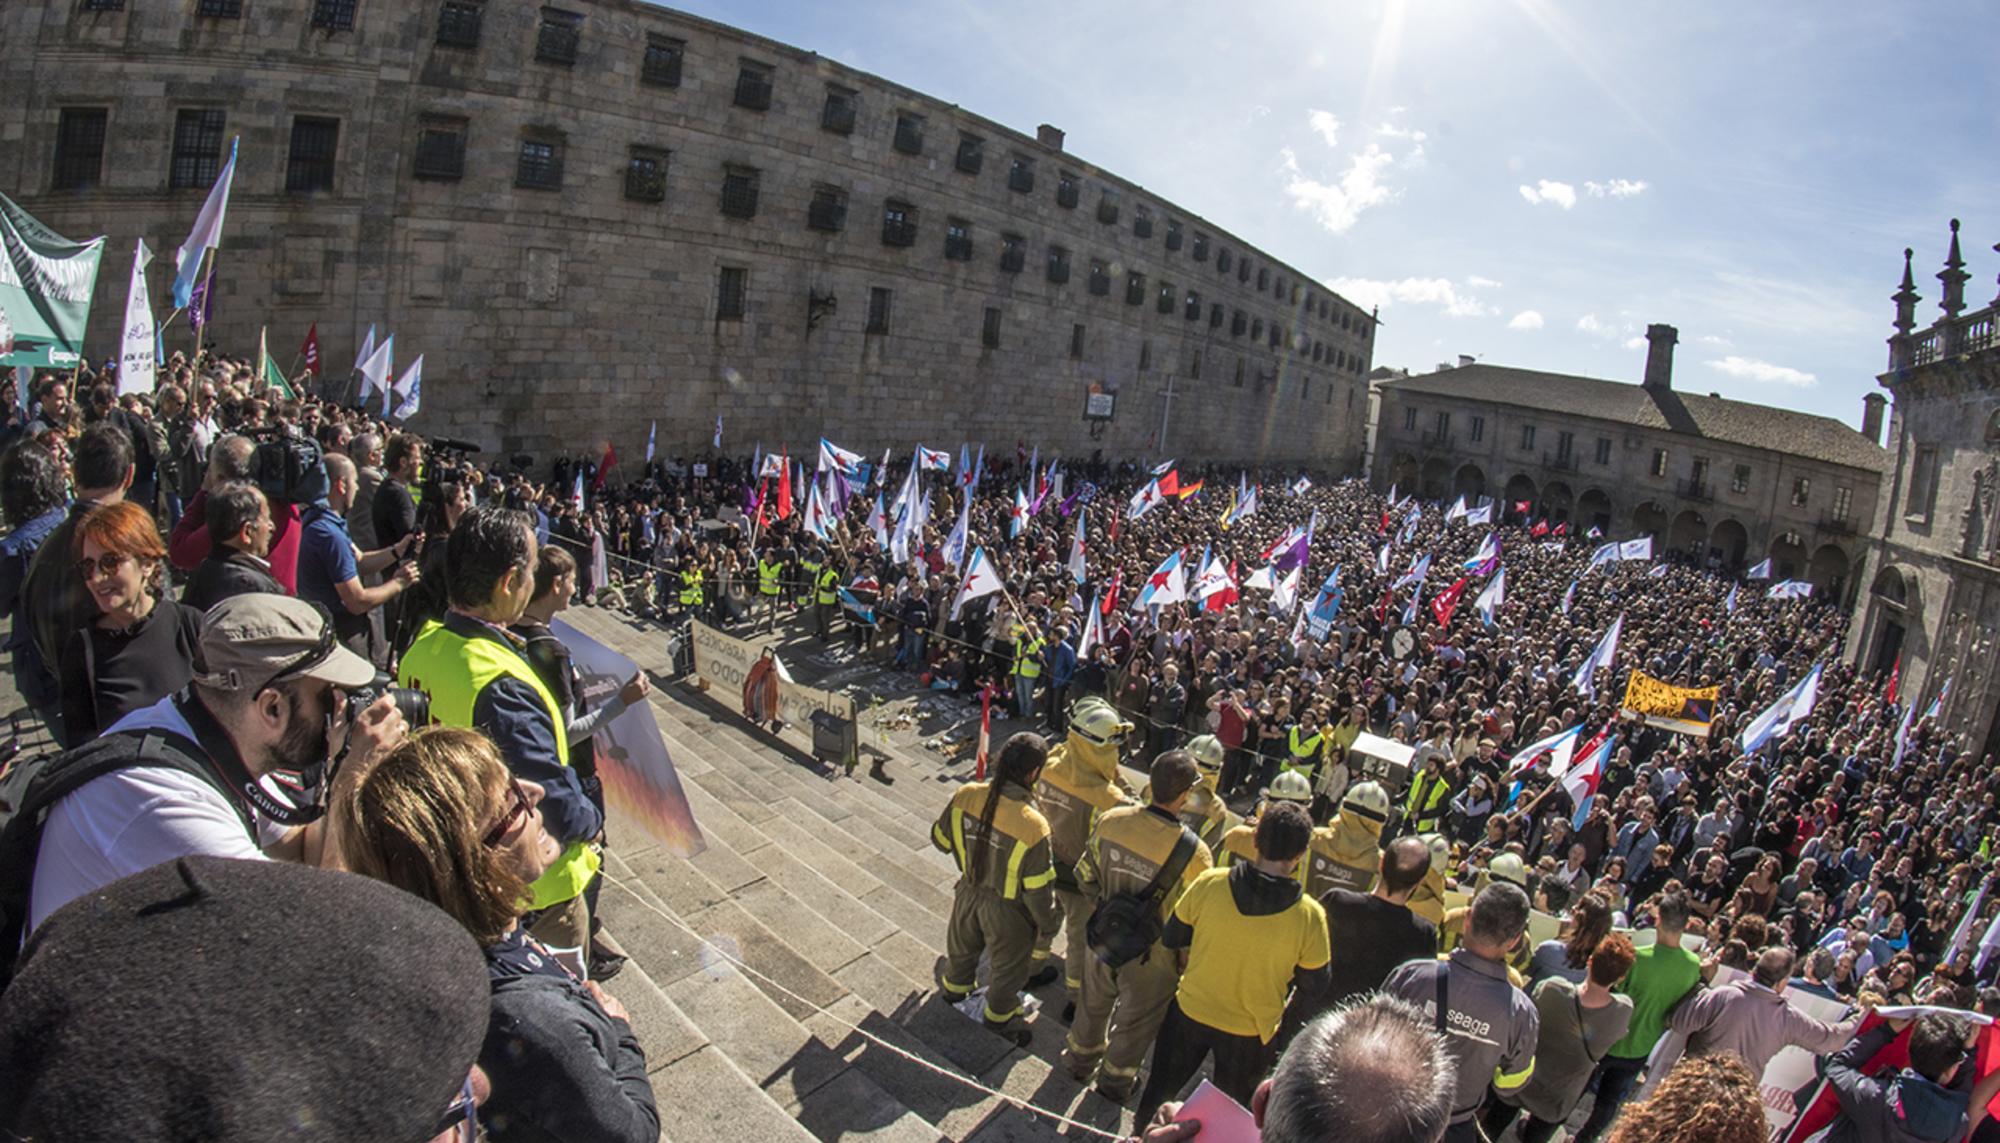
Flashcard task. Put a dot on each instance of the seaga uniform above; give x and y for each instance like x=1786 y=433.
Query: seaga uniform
x=1079 y=782
x=1002 y=910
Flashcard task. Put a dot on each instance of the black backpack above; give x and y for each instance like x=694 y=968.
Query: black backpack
x=32 y=786
x=1124 y=925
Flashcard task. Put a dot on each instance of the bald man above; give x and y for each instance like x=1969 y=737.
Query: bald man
x=331 y=566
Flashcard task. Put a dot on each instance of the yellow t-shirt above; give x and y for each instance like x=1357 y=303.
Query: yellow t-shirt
x=1240 y=968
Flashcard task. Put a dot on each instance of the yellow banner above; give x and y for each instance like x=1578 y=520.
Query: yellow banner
x=1684 y=710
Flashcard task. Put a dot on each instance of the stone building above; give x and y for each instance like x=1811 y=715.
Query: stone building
x=1727 y=481
x=596 y=213
x=1933 y=594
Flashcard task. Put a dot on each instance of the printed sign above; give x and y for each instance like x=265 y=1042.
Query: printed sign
x=723 y=662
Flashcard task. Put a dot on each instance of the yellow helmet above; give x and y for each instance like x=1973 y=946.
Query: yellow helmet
x=1207 y=751
x=1368 y=799
x=1290 y=786
x=1440 y=851
x=1097 y=722
x=1510 y=868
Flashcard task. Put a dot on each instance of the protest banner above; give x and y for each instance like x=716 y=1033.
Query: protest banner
x=724 y=662
x=632 y=760
x=1683 y=710
x=46 y=283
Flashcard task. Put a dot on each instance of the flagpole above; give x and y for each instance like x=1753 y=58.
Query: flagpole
x=202 y=271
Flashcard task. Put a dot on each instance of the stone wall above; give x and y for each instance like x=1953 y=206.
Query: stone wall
x=566 y=319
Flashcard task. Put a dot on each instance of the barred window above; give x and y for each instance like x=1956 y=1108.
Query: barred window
x=1100 y=278
x=309 y=166
x=1021 y=174
x=957 y=240
x=557 y=40
x=661 y=66
x=753 y=86
x=732 y=288
x=220 y=9
x=739 y=192
x=458 y=23
x=440 y=151
x=1167 y=298
x=1058 y=265
x=333 y=15
x=540 y=166
x=79 y=147
x=1173 y=235
x=1107 y=207
x=646 y=175
x=197 y=155
x=1222 y=261
x=1142 y=222
x=104 y=5
x=1013 y=253
x=1076 y=341
x=878 y=309
x=828 y=209
x=1193 y=310
x=971 y=154
x=838 y=115
x=1200 y=252
x=1135 y=288
x=909 y=133
x=899 y=223
x=1067 y=191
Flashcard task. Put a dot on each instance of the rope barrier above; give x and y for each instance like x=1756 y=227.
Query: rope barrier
x=895 y=1049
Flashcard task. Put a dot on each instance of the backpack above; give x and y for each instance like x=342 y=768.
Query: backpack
x=1125 y=925
x=31 y=787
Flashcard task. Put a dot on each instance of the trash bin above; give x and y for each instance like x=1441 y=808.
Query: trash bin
x=833 y=738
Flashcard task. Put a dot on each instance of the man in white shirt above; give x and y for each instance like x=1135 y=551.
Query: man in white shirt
x=259 y=728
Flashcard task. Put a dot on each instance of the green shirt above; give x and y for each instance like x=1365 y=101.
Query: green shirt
x=1659 y=977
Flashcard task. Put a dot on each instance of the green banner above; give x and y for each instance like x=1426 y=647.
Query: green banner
x=46 y=282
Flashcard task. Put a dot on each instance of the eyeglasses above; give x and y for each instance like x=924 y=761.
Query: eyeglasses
x=108 y=563
x=515 y=812
x=461 y=1119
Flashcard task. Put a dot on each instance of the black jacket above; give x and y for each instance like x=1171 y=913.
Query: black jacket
x=1899 y=1107
x=562 y=1068
x=227 y=573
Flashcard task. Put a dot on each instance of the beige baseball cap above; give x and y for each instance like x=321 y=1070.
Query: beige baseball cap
x=250 y=641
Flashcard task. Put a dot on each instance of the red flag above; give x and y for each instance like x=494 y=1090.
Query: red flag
x=1895 y=675
x=1383 y=528
x=985 y=730
x=1114 y=526
x=785 y=489
x=763 y=503
x=1382 y=608
x=1540 y=529
x=604 y=467
x=1824 y=1107
x=1170 y=484
x=1522 y=506
x=1111 y=592
x=310 y=350
x=1445 y=604
x=1560 y=529
x=1227 y=595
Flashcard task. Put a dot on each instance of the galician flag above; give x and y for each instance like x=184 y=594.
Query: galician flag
x=1285 y=595
x=1790 y=589
x=1600 y=658
x=1778 y=719
x=839 y=459
x=1489 y=600
x=1481 y=515
x=1076 y=567
x=954 y=544
x=1761 y=571
x=1167 y=584
x=980 y=579
x=1488 y=548
x=1456 y=511
x=367 y=349
x=1093 y=629
x=376 y=370
x=1144 y=500
x=1581 y=782
x=1558 y=748
x=933 y=459
x=1729 y=605
x=206 y=235
x=409 y=390
x=1569 y=597
x=1017 y=516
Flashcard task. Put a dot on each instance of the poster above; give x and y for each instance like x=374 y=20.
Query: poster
x=723 y=662
x=1683 y=710
x=632 y=760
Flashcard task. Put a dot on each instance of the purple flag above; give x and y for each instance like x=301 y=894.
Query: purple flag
x=201 y=304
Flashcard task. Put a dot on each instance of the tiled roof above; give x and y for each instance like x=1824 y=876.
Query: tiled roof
x=1698 y=415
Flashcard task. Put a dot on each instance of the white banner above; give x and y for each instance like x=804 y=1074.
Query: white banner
x=724 y=662
x=136 y=363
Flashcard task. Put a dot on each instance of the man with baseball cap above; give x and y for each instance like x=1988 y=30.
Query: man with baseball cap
x=235 y=765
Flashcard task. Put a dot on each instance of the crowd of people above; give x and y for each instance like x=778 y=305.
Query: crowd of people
x=200 y=579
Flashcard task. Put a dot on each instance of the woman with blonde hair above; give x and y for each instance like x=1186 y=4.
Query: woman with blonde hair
x=440 y=817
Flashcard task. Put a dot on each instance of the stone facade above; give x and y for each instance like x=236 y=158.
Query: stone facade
x=1725 y=480
x=562 y=319
x=1934 y=590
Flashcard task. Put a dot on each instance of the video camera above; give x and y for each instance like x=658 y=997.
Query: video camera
x=288 y=467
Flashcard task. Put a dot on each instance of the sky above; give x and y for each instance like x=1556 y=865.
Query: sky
x=1528 y=182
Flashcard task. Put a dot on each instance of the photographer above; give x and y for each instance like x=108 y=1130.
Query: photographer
x=331 y=567
x=187 y=775
x=474 y=671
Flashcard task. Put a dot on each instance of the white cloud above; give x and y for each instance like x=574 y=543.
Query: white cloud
x=1479 y=283
x=1589 y=324
x=1391 y=131
x=1751 y=369
x=1526 y=319
x=1635 y=343
x=1337 y=206
x=1718 y=342
x=1327 y=125
x=1441 y=292
x=1544 y=190
x=1616 y=188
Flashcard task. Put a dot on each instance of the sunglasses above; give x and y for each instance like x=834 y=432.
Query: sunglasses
x=516 y=810
x=461 y=1119
x=108 y=563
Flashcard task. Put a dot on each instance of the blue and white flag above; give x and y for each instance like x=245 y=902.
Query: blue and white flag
x=410 y=389
x=1167 y=584
x=933 y=459
x=1659 y=572
x=1326 y=604
x=861 y=611
x=1778 y=719
x=1790 y=589
x=1489 y=600
x=1558 y=748
x=980 y=579
x=1481 y=515
x=1488 y=548
x=1419 y=568
x=1457 y=510
x=1903 y=736
x=1160 y=469
x=1937 y=704
x=839 y=459
x=1760 y=571
x=651 y=434
x=878 y=523
x=1017 y=515
x=1729 y=605
x=1410 y=612
x=1639 y=549
x=1569 y=597
x=1093 y=628
x=954 y=544
x=1607 y=554
x=1600 y=658
x=1410 y=524
x=1076 y=567
x=1299 y=486
x=717 y=442
x=1382 y=560
x=207 y=232
x=376 y=370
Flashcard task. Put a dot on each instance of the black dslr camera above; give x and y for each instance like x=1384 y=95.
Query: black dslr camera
x=414 y=705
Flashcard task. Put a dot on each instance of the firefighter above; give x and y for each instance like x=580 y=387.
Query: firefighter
x=1002 y=902
x=1347 y=852
x=1205 y=813
x=1121 y=1009
x=1240 y=843
x=1080 y=783
x=1428 y=900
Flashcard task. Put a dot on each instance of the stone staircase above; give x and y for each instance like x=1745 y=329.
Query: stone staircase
x=827 y=888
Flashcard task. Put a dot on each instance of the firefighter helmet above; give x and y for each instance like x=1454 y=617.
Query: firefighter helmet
x=1440 y=851
x=1097 y=722
x=1510 y=868
x=1207 y=751
x=1368 y=799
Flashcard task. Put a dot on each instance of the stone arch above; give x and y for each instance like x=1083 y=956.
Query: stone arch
x=1689 y=533
x=1556 y=501
x=1437 y=478
x=1519 y=487
x=1895 y=617
x=1650 y=519
x=1788 y=556
x=1827 y=572
x=1728 y=542
x=1470 y=482
x=1895 y=584
x=1405 y=475
x=1594 y=509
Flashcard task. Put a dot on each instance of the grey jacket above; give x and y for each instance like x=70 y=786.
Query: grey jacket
x=563 y=1068
x=1754 y=1022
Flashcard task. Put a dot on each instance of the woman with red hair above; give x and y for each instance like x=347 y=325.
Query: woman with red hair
x=141 y=647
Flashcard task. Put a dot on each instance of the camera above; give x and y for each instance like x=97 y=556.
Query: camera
x=288 y=469
x=414 y=705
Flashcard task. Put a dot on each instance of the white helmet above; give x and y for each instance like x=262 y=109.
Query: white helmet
x=1510 y=868
x=1097 y=722
x=1207 y=751
x=1289 y=786
x=1440 y=851
x=1368 y=799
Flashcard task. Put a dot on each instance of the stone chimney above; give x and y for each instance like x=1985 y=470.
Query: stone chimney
x=1049 y=136
x=1465 y=359
x=1660 y=356
x=1871 y=416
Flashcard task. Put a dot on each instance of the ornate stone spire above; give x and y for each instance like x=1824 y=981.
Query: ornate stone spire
x=1954 y=278
x=1906 y=298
